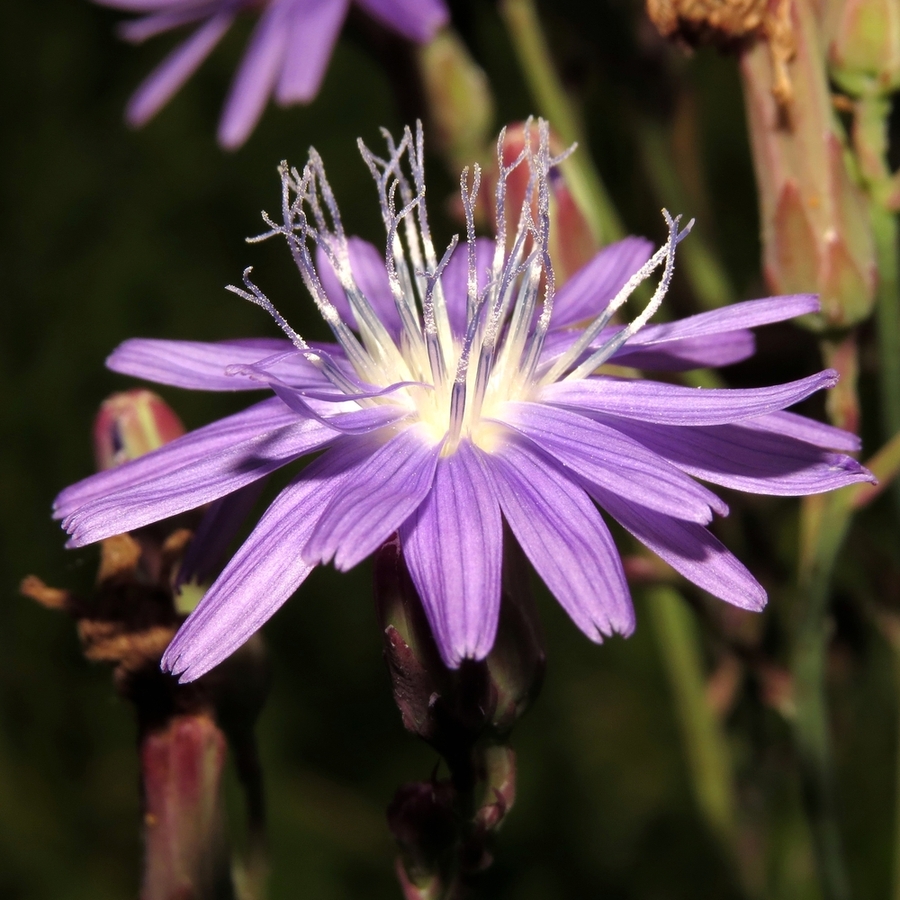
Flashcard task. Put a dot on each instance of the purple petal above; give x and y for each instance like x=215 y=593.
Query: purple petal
x=453 y=545
x=312 y=31
x=793 y=425
x=748 y=314
x=257 y=75
x=691 y=353
x=154 y=5
x=565 y=538
x=261 y=419
x=369 y=272
x=175 y=69
x=747 y=458
x=669 y=404
x=386 y=489
x=260 y=577
x=203 y=366
x=588 y=292
x=601 y=454
x=715 y=338
x=666 y=356
x=455 y=280
x=417 y=20
x=689 y=549
x=217 y=529
x=203 y=480
x=137 y=31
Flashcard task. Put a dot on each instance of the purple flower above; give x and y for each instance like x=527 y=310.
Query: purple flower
x=462 y=391
x=287 y=56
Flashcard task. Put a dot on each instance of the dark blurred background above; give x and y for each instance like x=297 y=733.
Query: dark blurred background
x=108 y=234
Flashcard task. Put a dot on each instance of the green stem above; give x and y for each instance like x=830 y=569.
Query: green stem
x=705 y=746
x=895 y=892
x=706 y=274
x=825 y=524
x=814 y=748
x=885 y=466
x=870 y=143
x=887 y=313
x=553 y=102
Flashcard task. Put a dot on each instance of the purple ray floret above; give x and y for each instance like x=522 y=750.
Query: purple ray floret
x=286 y=58
x=454 y=399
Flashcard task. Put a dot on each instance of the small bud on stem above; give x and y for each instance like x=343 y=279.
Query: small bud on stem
x=183 y=730
x=444 y=827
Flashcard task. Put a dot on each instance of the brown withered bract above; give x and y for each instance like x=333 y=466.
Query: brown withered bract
x=130 y=619
x=729 y=22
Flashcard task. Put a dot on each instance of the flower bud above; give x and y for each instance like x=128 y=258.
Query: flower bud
x=425 y=823
x=418 y=676
x=863 y=41
x=131 y=424
x=186 y=849
x=498 y=786
x=460 y=104
x=516 y=662
x=452 y=708
x=815 y=229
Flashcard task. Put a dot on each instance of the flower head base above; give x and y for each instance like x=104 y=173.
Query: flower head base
x=463 y=390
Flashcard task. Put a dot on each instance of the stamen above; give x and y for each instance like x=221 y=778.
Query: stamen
x=434 y=291
x=376 y=337
x=333 y=241
x=500 y=201
x=590 y=333
x=320 y=181
x=432 y=334
x=322 y=363
x=457 y=415
x=482 y=379
x=541 y=170
x=297 y=232
x=506 y=322
x=460 y=382
x=399 y=277
x=468 y=202
x=609 y=347
x=511 y=271
x=506 y=291
x=418 y=260
x=520 y=323
x=416 y=157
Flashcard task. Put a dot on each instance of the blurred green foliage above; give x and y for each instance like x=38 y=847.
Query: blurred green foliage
x=108 y=234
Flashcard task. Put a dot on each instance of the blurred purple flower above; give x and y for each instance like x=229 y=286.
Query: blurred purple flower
x=287 y=56
x=461 y=392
